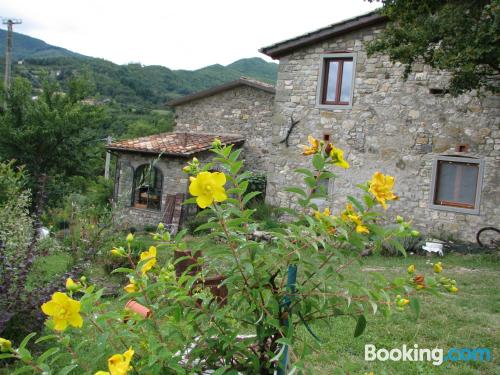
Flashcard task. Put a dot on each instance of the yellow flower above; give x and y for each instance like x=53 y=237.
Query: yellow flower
x=310 y=150
x=360 y=228
x=131 y=288
x=71 y=285
x=381 y=188
x=337 y=156
x=118 y=364
x=208 y=187
x=5 y=345
x=411 y=269
x=130 y=237
x=151 y=255
x=438 y=267
x=318 y=215
x=64 y=311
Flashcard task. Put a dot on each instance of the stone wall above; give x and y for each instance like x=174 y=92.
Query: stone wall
x=242 y=110
x=395 y=126
x=174 y=181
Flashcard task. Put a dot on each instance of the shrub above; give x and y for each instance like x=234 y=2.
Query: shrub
x=190 y=323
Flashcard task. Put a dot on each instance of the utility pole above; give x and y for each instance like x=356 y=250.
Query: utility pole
x=8 y=51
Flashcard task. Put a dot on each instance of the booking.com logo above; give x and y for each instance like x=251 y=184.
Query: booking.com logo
x=436 y=355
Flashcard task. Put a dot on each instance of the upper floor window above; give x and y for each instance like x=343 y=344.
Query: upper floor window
x=148 y=181
x=456 y=184
x=336 y=81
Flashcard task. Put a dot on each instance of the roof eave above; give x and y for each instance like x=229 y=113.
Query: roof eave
x=286 y=47
x=219 y=89
x=175 y=154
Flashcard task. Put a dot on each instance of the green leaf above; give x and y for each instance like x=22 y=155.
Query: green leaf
x=6 y=356
x=45 y=338
x=318 y=162
x=47 y=354
x=66 y=370
x=415 y=305
x=360 y=326
x=23 y=370
x=209 y=225
x=296 y=190
x=356 y=203
x=249 y=196
x=24 y=354
x=305 y=172
x=26 y=340
x=123 y=270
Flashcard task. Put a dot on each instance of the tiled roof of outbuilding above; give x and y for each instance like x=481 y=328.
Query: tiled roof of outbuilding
x=174 y=144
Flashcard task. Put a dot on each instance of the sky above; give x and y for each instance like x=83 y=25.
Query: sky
x=184 y=34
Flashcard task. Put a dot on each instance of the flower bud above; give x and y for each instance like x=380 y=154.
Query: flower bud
x=83 y=279
x=130 y=237
x=131 y=288
x=399 y=219
x=438 y=267
x=118 y=251
x=216 y=143
x=161 y=226
x=411 y=269
x=5 y=345
x=453 y=289
x=186 y=169
x=415 y=233
x=71 y=285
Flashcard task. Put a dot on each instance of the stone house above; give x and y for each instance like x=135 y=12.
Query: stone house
x=443 y=151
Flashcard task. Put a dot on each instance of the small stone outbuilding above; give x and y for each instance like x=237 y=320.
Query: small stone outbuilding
x=149 y=182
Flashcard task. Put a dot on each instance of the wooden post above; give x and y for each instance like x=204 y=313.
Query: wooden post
x=287 y=301
x=108 y=159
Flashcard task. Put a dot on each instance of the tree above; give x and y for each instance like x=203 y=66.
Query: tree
x=50 y=135
x=459 y=36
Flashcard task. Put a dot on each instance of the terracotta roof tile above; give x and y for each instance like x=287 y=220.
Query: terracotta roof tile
x=176 y=144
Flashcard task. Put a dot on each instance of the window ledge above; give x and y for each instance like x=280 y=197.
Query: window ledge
x=145 y=209
x=334 y=107
x=458 y=210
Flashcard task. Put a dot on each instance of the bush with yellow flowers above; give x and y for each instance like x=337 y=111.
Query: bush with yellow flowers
x=168 y=322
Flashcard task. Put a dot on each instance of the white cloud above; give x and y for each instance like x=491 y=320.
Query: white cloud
x=185 y=34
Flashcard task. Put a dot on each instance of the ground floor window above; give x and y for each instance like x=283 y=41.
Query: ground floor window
x=148 y=181
x=456 y=184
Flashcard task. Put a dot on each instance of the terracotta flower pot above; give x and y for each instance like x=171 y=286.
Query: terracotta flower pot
x=138 y=309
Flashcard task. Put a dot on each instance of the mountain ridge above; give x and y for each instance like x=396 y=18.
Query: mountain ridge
x=129 y=84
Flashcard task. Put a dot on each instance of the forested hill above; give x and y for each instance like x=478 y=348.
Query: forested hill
x=130 y=84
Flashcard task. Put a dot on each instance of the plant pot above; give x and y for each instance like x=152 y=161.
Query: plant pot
x=187 y=265
x=138 y=309
x=219 y=291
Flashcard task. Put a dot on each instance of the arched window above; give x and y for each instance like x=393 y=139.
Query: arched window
x=148 y=182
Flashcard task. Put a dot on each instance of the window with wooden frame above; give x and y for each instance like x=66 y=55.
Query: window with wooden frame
x=336 y=81
x=147 y=189
x=456 y=184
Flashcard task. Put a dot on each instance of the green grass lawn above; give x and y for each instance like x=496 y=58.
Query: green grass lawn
x=468 y=319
